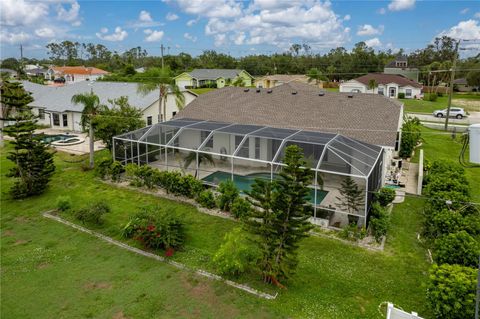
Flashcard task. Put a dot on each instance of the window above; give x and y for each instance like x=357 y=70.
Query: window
x=174 y=113
x=203 y=136
x=149 y=120
x=65 y=119
x=408 y=92
x=380 y=91
x=243 y=152
x=257 y=147
x=56 y=119
x=41 y=114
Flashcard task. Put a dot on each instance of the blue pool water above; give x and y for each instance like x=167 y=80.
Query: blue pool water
x=244 y=182
x=57 y=137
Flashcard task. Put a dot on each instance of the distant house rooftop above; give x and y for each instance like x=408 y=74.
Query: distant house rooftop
x=382 y=78
x=401 y=61
x=78 y=70
x=461 y=81
x=213 y=74
x=370 y=118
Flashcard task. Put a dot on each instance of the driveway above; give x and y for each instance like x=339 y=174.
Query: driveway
x=473 y=118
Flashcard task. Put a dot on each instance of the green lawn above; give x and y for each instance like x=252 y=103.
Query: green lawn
x=202 y=90
x=52 y=271
x=470 y=102
x=438 y=145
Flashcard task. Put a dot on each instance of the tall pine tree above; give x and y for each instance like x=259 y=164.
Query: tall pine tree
x=351 y=196
x=33 y=161
x=280 y=219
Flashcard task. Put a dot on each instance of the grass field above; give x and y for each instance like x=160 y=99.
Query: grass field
x=202 y=90
x=438 y=145
x=52 y=271
x=470 y=102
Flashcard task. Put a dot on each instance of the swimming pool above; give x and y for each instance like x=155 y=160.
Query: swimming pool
x=57 y=137
x=244 y=182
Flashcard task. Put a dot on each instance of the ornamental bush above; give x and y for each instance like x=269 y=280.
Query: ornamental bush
x=451 y=291
x=93 y=213
x=353 y=232
x=385 y=196
x=102 y=167
x=228 y=192
x=379 y=221
x=116 y=170
x=457 y=248
x=237 y=254
x=410 y=136
x=207 y=199
x=401 y=95
x=240 y=208
x=64 y=203
x=439 y=223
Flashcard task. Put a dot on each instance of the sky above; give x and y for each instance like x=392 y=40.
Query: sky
x=234 y=27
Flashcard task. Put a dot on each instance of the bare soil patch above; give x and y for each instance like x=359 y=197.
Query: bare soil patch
x=96 y=285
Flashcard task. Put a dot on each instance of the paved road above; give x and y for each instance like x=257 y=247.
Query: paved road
x=473 y=118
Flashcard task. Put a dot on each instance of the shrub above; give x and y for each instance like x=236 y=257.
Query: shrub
x=189 y=186
x=140 y=175
x=93 y=214
x=439 y=223
x=401 y=95
x=410 y=136
x=228 y=192
x=116 y=170
x=236 y=255
x=432 y=97
x=352 y=232
x=207 y=199
x=156 y=229
x=457 y=248
x=240 y=207
x=445 y=183
x=64 y=203
x=451 y=291
x=379 y=221
x=439 y=94
x=102 y=167
x=385 y=196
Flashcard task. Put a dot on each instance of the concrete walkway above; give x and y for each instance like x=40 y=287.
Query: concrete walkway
x=411 y=176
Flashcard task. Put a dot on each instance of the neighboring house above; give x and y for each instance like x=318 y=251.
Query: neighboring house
x=461 y=85
x=11 y=73
x=74 y=74
x=246 y=132
x=387 y=84
x=36 y=71
x=212 y=77
x=271 y=81
x=399 y=66
x=54 y=106
x=140 y=70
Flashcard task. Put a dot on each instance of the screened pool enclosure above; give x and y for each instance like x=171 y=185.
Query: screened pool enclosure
x=215 y=151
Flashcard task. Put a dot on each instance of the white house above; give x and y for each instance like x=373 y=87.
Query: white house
x=389 y=85
x=74 y=74
x=55 y=109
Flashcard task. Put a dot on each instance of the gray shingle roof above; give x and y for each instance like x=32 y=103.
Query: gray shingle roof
x=371 y=118
x=58 y=99
x=213 y=74
x=382 y=78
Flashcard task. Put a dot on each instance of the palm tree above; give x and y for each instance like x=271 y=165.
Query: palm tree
x=91 y=108
x=316 y=75
x=164 y=83
x=372 y=84
x=202 y=158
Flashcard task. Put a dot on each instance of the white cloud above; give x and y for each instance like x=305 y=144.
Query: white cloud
x=464 y=11
x=381 y=11
x=45 y=32
x=171 y=16
x=117 y=35
x=347 y=17
x=191 y=22
x=399 y=5
x=22 y=13
x=374 y=42
x=144 y=16
x=104 y=30
x=466 y=30
x=153 y=35
x=368 y=29
x=477 y=15
x=69 y=15
x=190 y=37
x=278 y=23
x=13 y=38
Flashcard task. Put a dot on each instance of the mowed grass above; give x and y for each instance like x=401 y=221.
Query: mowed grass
x=439 y=145
x=470 y=102
x=52 y=271
x=202 y=90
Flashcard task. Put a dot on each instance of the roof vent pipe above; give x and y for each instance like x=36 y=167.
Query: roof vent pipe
x=269 y=91
x=246 y=90
x=258 y=90
x=294 y=92
x=350 y=96
x=321 y=94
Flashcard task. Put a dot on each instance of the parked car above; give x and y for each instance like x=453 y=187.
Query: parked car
x=454 y=112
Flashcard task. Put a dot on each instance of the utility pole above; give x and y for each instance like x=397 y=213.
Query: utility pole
x=452 y=78
x=161 y=50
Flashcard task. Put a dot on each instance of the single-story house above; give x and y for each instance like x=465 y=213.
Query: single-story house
x=399 y=66
x=461 y=85
x=246 y=131
x=271 y=81
x=11 y=73
x=212 y=77
x=54 y=107
x=386 y=84
x=74 y=74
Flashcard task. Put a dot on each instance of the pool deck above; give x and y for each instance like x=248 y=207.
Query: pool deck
x=77 y=149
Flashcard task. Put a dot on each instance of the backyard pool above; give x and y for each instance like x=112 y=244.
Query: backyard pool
x=53 y=138
x=243 y=182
